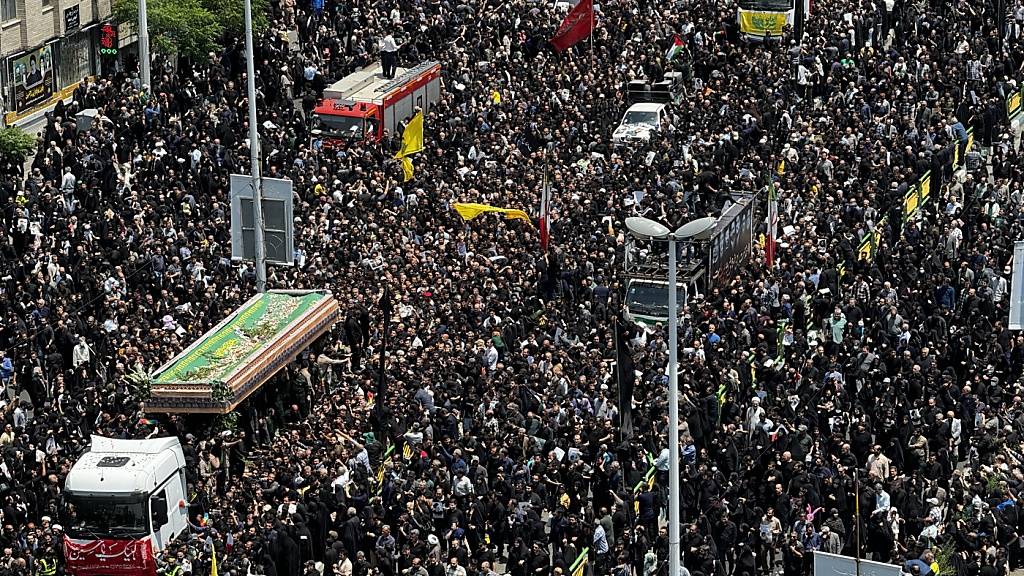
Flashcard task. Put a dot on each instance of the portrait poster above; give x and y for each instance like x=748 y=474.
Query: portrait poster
x=34 y=78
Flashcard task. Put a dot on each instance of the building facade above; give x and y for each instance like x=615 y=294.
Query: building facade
x=47 y=47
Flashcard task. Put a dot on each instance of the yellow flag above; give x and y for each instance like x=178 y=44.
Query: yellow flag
x=782 y=167
x=581 y=569
x=407 y=452
x=496 y=97
x=412 y=137
x=407 y=170
x=579 y=566
x=469 y=210
x=213 y=563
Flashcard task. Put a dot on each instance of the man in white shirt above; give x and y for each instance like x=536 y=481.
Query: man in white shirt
x=388 y=55
x=81 y=353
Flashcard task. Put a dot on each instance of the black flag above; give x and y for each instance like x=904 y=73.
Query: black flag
x=626 y=376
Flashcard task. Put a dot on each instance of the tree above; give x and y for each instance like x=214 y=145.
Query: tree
x=185 y=27
x=16 y=144
x=193 y=28
x=231 y=15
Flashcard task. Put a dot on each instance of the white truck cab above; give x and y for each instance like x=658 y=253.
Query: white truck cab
x=124 y=500
x=640 y=121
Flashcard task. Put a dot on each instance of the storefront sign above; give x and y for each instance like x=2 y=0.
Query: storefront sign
x=34 y=77
x=71 y=19
x=108 y=40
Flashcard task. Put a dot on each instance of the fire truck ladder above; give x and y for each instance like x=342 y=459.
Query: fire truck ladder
x=407 y=76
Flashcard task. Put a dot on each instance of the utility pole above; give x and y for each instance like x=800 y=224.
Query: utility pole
x=674 y=556
x=254 y=154
x=144 y=45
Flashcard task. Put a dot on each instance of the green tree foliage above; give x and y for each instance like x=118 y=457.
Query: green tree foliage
x=184 y=27
x=16 y=144
x=231 y=16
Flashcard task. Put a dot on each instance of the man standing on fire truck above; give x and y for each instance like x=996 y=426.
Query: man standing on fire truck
x=389 y=55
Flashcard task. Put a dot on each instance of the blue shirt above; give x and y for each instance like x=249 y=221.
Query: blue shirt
x=600 y=540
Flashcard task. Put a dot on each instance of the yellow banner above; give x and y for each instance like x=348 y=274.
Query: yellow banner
x=910 y=202
x=1013 y=104
x=956 y=154
x=866 y=251
x=925 y=185
x=868 y=246
x=762 y=23
x=970 y=141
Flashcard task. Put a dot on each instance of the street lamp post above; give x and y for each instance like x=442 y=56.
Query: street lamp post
x=254 y=155
x=646 y=229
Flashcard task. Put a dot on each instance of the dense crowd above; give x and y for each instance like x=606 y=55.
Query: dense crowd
x=815 y=393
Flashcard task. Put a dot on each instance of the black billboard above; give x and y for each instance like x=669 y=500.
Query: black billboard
x=730 y=242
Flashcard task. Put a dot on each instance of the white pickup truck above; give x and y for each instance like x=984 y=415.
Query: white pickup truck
x=639 y=122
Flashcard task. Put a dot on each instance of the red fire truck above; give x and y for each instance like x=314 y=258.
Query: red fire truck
x=364 y=105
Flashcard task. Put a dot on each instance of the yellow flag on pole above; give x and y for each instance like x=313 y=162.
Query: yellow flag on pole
x=579 y=566
x=470 y=210
x=412 y=136
x=407 y=170
x=213 y=563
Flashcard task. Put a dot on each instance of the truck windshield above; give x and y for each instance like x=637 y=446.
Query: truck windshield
x=110 y=517
x=639 y=117
x=347 y=126
x=651 y=299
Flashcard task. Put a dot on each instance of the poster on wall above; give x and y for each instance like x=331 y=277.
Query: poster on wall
x=34 y=78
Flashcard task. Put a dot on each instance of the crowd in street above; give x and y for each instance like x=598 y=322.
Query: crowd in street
x=863 y=407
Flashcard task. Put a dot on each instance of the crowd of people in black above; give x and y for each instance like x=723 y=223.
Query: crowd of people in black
x=830 y=403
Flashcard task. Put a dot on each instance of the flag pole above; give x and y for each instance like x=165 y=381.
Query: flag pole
x=856 y=489
x=386 y=309
x=545 y=205
x=592 y=15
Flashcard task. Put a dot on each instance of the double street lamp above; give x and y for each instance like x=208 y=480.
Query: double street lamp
x=646 y=229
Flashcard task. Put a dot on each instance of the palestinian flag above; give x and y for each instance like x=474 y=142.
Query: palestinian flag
x=675 y=49
x=146 y=422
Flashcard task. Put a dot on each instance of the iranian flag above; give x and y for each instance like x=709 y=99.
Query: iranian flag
x=773 y=222
x=675 y=49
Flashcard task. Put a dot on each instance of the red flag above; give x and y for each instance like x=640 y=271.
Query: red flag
x=578 y=24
